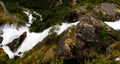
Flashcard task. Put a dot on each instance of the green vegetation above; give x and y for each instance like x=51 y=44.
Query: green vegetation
x=54 y=15
x=90 y=6
x=52 y=38
x=60 y=61
x=101 y=60
x=51 y=13
x=102 y=32
x=3 y=56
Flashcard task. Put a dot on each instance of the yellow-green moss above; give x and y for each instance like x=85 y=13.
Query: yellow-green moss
x=70 y=36
x=3 y=56
x=50 y=54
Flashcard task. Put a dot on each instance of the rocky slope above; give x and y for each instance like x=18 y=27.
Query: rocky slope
x=90 y=42
x=87 y=43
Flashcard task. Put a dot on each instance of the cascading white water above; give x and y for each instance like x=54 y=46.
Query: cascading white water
x=115 y=25
x=11 y=32
x=30 y=18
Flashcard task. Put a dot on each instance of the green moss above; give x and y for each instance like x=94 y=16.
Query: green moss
x=51 y=39
x=12 y=6
x=5 y=19
x=11 y=61
x=22 y=16
x=90 y=6
x=101 y=60
x=59 y=61
x=102 y=32
x=3 y=57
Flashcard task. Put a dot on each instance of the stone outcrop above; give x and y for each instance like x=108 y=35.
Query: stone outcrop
x=15 y=44
x=86 y=39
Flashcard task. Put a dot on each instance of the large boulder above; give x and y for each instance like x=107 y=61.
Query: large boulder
x=15 y=44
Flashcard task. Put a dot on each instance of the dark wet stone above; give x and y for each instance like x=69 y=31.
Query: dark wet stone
x=1 y=39
x=71 y=17
x=15 y=44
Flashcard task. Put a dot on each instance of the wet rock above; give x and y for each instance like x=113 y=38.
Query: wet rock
x=1 y=39
x=19 y=55
x=22 y=37
x=12 y=45
x=71 y=17
x=1 y=23
x=16 y=57
x=15 y=44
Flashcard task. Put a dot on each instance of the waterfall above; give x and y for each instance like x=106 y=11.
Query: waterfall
x=11 y=32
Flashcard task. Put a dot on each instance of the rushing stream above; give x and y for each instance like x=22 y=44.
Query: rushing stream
x=11 y=32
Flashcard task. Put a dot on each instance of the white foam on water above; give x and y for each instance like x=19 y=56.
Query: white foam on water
x=115 y=25
x=10 y=32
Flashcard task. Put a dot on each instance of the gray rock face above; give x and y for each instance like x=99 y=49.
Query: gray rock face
x=107 y=12
x=15 y=44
